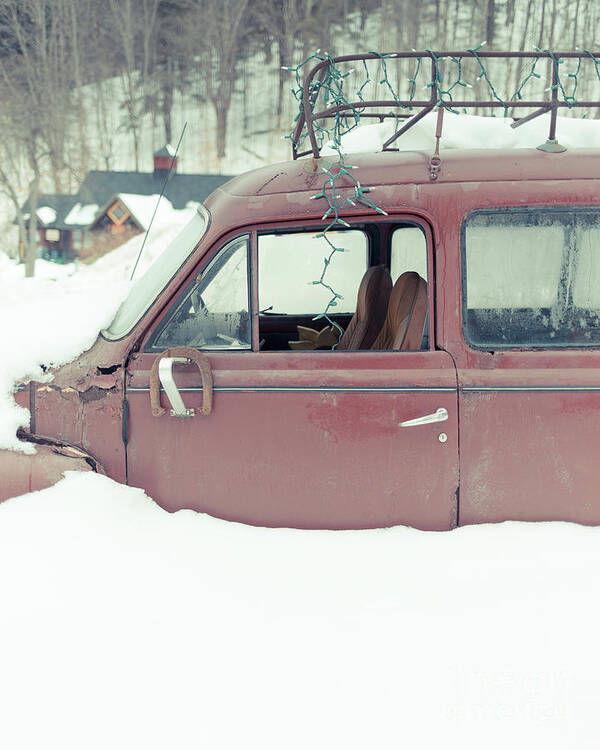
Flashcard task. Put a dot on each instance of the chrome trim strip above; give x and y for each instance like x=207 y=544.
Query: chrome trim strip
x=535 y=388
x=375 y=389
x=296 y=389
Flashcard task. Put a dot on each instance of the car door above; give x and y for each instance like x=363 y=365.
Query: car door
x=308 y=439
x=529 y=368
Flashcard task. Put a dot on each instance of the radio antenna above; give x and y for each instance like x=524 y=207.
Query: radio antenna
x=137 y=260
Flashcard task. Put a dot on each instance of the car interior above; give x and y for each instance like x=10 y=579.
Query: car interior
x=360 y=288
x=390 y=311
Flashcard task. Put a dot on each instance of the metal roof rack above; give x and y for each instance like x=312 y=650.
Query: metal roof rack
x=308 y=121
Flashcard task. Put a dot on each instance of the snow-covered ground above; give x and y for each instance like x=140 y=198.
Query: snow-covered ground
x=123 y=626
x=53 y=317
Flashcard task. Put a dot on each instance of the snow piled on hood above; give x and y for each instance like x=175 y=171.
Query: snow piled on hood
x=52 y=318
x=471 y=131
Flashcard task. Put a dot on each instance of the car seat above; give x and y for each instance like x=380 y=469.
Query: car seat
x=371 y=308
x=406 y=315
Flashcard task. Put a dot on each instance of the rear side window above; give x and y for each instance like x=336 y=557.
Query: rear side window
x=531 y=278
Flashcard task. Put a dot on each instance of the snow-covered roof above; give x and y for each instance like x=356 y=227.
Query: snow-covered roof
x=142 y=207
x=76 y=211
x=166 y=150
x=46 y=214
x=82 y=215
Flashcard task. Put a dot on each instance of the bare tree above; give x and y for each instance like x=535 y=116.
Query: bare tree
x=216 y=36
x=25 y=33
x=136 y=24
x=12 y=179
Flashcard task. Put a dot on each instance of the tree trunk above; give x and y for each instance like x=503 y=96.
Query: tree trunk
x=222 y=112
x=22 y=229
x=490 y=26
x=167 y=101
x=283 y=79
x=32 y=235
x=542 y=23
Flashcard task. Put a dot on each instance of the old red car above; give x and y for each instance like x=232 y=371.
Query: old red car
x=465 y=387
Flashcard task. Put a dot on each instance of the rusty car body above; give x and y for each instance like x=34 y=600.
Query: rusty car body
x=491 y=413
x=312 y=438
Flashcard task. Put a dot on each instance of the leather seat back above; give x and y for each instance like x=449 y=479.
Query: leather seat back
x=371 y=309
x=406 y=315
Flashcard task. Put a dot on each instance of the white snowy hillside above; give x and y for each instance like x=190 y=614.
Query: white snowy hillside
x=471 y=131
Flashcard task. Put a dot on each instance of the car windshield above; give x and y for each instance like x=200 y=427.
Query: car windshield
x=145 y=290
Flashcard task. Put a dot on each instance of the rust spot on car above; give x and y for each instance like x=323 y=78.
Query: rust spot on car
x=268 y=182
x=94 y=393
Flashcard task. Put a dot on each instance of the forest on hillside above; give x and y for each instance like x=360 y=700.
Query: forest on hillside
x=79 y=77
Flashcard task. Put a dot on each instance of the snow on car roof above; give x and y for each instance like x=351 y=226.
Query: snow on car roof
x=472 y=148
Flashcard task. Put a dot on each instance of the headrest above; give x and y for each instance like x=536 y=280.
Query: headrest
x=407 y=310
x=374 y=289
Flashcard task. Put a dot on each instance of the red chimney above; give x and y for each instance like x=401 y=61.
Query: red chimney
x=162 y=161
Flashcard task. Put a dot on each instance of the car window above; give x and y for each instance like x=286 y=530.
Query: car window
x=213 y=313
x=290 y=266
x=408 y=252
x=532 y=278
x=145 y=290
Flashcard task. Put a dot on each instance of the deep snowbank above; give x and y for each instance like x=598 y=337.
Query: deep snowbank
x=124 y=626
x=55 y=316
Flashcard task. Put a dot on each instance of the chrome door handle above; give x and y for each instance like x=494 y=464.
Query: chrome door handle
x=440 y=415
x=165 y=374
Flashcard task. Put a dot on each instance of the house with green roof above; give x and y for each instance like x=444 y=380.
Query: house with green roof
x=112 y=206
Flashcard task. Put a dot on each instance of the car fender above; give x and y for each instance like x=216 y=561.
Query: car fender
x=27 y=472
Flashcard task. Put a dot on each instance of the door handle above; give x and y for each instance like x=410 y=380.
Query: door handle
x=439 y=415
x=165 y=375
x=162 y=375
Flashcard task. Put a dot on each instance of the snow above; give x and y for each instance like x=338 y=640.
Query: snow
x=142 y=208
x=169 y=149
x=55 y=316
x=126 y=626
x=472 y=131
x=82 y=214
x=46 y=214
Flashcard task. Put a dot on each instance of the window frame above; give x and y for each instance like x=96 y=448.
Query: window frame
x=186 y=288
x=507 y=210
x=377 y=254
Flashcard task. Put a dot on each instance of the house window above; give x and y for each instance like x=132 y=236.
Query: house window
x=52 y=235
x=117 y=213
x=77 y=239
